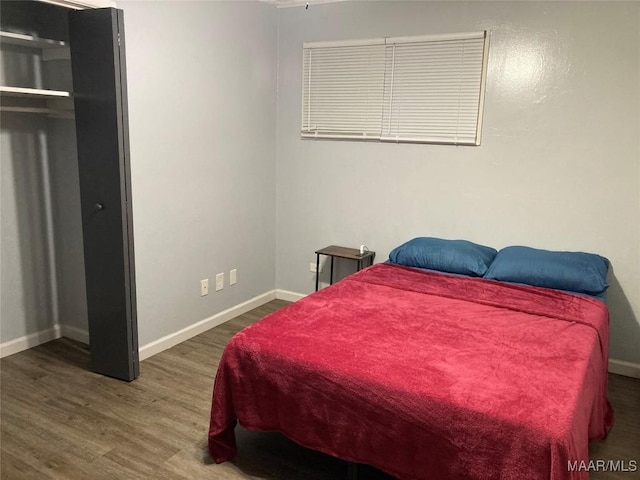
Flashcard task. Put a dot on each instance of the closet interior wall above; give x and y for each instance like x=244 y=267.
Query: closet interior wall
x=43 y=289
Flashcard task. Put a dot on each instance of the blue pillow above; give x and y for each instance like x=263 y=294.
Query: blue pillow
x=573 y=271
x=453 y=256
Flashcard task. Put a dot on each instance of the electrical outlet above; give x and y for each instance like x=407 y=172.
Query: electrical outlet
x=233 y=277
x=312 y=267
x=204 y=287
x=219 y=281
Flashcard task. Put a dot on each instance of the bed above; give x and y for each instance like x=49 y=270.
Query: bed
x=425 y=374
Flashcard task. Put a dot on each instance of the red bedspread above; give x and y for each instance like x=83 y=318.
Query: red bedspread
x=424 y=375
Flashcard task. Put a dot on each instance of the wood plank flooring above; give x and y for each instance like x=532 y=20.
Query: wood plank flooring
x=58 y=420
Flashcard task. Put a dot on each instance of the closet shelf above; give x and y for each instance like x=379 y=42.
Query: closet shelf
x=51 y=112
x=32 y=92
x=23 y=40
x=53 y=103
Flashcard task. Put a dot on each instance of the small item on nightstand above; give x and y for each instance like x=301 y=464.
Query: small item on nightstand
x=363 y=249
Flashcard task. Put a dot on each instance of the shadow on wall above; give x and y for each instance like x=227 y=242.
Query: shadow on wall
x=625 y=329
x=28 y=265
x=21 y=66
x=341 y=268
x=43 y=281
x=67 y=228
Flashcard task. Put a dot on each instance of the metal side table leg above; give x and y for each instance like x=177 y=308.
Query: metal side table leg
x=331 y=279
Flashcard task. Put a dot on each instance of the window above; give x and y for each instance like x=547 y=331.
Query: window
x=425 y=89
x=343 y=90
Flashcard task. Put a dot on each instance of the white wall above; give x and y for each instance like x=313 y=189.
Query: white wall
x=202 y=99
x=558 y=167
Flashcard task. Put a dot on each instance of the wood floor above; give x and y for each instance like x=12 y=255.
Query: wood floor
x=58 y=420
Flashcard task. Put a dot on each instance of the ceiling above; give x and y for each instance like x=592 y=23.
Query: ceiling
x=297 y=3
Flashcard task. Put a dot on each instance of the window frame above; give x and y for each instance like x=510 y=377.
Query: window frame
x=386 y=44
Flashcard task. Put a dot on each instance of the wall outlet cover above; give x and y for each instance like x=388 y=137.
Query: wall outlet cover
x=312 y=267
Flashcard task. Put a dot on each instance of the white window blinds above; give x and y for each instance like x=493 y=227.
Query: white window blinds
x=343 y=90
x=405 y=89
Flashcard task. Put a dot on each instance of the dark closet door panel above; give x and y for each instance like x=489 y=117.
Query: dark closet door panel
x=35 y=18
x=99 y=84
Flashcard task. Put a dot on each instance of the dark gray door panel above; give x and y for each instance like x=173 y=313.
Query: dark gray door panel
x=99 y=84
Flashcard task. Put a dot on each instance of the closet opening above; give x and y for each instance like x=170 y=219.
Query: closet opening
x=68 y=267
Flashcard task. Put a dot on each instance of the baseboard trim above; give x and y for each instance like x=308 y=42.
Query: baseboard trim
x=180 y=336
x=33 y=340
x=621 y=367
x=29 y=341
x=289 y=296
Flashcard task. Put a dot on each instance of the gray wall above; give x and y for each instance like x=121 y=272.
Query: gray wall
x=558 y=166
x=42 y=279
x=216 y=186
x=27 y=289
x=202 y=100
x=202 y=108
x=67 y=228
x=41 y=251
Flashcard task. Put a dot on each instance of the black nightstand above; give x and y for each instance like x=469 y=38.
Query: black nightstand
x=343 y=252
